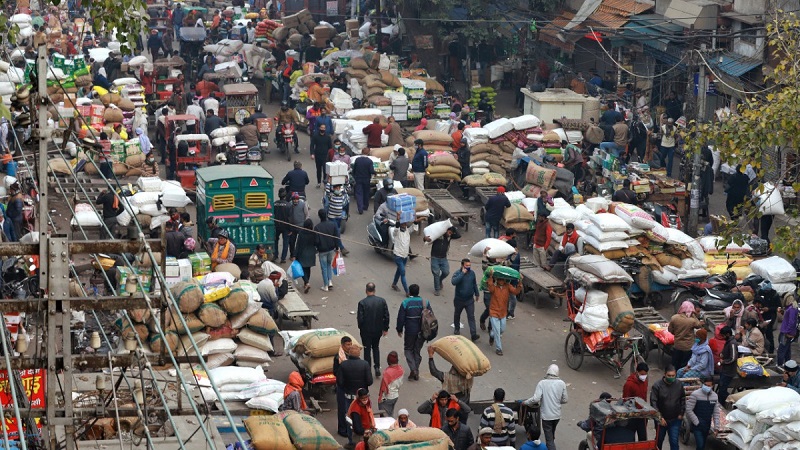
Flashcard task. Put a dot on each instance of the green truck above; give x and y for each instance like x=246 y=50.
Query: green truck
x=240 y=198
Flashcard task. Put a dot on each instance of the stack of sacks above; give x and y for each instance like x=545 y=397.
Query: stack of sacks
x=712 y=244
x=427 y=438
x=475 y=136
x=540 y=177
x=287 y=430
x=551 y=142
x=500 y=157
x=342 y=102
x=778 y=271
x=766 y=419
x=385 y=153
x=265 y=30
x=229 y=381
x=443 y=166
x=422 y=208
x=221 y=136
x=600 y=272
x=294 y=26
x=681 y=257
x=485 y=180
x=593 y=315
x=374 y=86
x=606 y=233
x=315 y=349
x=479 y=156
x=225 y=318
x=404 y=205
x=224 y=49
x=518 y=218
x=152 y=205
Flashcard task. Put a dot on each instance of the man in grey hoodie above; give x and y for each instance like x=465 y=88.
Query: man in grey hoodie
x=550 y=394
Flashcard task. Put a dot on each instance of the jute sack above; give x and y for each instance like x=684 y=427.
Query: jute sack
x=390 y=79
x=517 y=213
x=383 y=438
x=668 y=260
x=475 y=180
x=307 y=433
x=432 y=148
x=320 y=343
x=126 y=104
x=119 y=169
x=359 y=64
x=261 y=322
x=135 y=160
x=174 y=323
x=465 y=356
x=317 y=366
x=452 y=176
x=240 y=320
x=374 y=82
x=139 y=315
x=540 y=176
x=236 y=301
x=496 y=168
x=157 y=343
x=129 y=329
x=436 y=444
x=110 y=98
x=189 y=296
x=481 y=148
x=212 y=315
x=620 y=311
x=444 y=159
x=356 y=73
x=435 y=171
x=433 y=137
x=268 y=433
x=495 y=179
x=254 y=339
x=59 y=165
x=231 y=268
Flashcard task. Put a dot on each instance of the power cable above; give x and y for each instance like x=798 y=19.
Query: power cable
x=650 y=77
x=718 y=78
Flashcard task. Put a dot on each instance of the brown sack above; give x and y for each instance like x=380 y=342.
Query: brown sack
x=620 y=311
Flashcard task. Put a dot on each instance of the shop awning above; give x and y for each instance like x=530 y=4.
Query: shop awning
x=656 y=34
x=733 y=64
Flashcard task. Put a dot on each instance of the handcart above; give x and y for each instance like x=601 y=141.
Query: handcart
x=199 y=148
x=644 y=319
x=292 y=307
x=444 y=205
x=315 y=385
x=689 y=385
x=614 y=350
x=610 y=421
x=539 y=282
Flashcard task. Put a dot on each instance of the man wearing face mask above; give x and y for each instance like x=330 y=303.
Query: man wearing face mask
x=150 y=166
x=340 y=152
x=321 y=144
x=636 y=386
x=335 y=202
x=702 y=407
x=668 y=398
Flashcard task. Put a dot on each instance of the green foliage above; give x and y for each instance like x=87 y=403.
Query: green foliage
x=764 y=120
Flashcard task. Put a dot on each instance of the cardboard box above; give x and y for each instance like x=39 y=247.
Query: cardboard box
x=407 y=216
x=145 y=278
x=201 y=263
x=172 y=267
x=385 y=110
x=352 y=33
x=351 y=24
x=400 y=117
x=184 y=269
x=337 y=168
x=402 y=202
x=337 y=180
x=399 y=109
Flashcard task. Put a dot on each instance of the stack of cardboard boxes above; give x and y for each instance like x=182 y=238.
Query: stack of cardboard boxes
x=337 y=171
x=404 y=205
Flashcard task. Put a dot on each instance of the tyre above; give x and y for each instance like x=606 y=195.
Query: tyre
x=654 y=299
x=685 y=433
x=573 y=350
x=583 y=445
x=679 y=298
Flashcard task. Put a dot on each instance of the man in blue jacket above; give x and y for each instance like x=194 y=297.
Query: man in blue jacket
x=409 y=320
x=419 y=164
x=466 y=295
x=363 y=170
x=495 y=207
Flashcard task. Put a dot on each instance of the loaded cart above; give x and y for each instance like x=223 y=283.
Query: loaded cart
x=653 y=327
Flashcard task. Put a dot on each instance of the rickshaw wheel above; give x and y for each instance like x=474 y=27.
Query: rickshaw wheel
x=573 y=350
x=685 y=432
x=583 y=445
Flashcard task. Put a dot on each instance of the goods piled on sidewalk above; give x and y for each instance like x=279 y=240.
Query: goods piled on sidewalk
x=765 y=419
x=287 y=429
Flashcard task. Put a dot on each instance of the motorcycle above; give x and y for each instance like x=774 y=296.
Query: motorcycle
x=254 y=156
x=375 y=239
x=286 y=133
x=715 y=293
x=666 y=215
x=20 y=278
x=264 y=129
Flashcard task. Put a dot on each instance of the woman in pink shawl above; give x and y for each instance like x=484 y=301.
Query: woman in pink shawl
x=423 y=123
x=682 y=326
x=734 y=314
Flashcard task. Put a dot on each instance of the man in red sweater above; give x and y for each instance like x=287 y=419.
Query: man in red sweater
x=569 y=246
x=636 y=386
x=373 y=133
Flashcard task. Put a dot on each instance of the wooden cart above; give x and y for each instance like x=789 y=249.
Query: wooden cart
x=643 y=318
x=444 y=205
x=292 y=307
x=539 y=282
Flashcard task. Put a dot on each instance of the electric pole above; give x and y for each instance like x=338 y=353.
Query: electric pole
x=694 y=199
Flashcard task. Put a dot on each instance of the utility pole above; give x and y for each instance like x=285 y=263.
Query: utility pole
x=379 y=43
x=694 y=199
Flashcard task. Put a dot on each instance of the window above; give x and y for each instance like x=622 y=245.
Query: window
x=255 y=200
x=748 y=34
x=223 y=202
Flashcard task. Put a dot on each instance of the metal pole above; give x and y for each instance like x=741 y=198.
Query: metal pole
x=379 y=43
x=694 y=199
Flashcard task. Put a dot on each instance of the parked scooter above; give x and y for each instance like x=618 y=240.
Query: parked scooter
x=20 y=278
x=376 y=239
x=715 y=293
x=666 y=215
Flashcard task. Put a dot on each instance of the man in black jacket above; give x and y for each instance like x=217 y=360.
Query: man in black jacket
x=112 y=207
x=668 y=398
x=321 y=144
x=459 y=433
x=326 y=242
x=353 y=374
x=175 y=240
x=280 y=213
x=373 y=323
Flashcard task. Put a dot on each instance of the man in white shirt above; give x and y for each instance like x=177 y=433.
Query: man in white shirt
x=402 y=247
x=194 y=109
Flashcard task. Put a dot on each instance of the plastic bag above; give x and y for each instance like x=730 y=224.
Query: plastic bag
x=338 y=264
x=297 y=270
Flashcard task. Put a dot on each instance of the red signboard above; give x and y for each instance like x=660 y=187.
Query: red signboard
x=33 y=381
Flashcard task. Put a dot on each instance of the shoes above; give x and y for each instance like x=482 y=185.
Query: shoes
x=476 y=337
x=297 y=152
x=457 y=333
x=510 y=317
x=345 y=252
x=318 y=185
x=324 y=288
x=377 y=372
x=330 y=284
x=283 y=261
x=414 y=375
x=483 y=326
x=499 y=352
x=360 y=212
x=491 y=341
x=395 y=288
x=437 y=293
x=306 y=288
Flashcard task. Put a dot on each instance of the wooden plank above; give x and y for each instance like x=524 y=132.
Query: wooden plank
x=292 y=303
x=541 y=277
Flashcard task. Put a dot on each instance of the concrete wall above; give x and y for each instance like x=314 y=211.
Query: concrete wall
x=747 y=47
x=749 y=6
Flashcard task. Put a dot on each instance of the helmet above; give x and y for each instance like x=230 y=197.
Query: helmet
x=387 y=183
x=284 y=104
x=221 y=157
x=258 y=107
x=224 y=234
x=189 y=244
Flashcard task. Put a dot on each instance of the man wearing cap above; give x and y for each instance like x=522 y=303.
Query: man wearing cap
x=419 y=164
x=438 y=405
x=484 y=440
x=222 y=249
x=459 y=433
x=495 y=207
x=402 y=421
x=791 y=378
x=501 y=419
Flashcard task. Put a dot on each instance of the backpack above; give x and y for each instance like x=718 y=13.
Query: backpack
x=430 y=326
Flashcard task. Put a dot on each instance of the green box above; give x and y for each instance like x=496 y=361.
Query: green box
x=201 y=263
